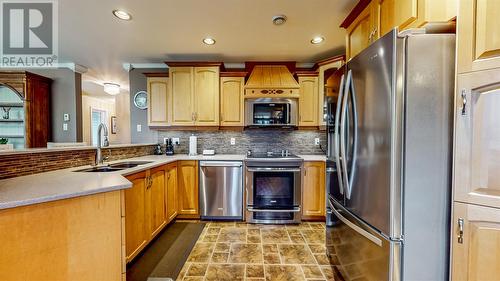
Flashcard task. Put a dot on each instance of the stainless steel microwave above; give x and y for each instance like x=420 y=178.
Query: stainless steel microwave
x=268 y=112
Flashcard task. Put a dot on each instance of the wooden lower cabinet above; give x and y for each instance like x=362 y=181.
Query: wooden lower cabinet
x=171 y=192
x=156 y=199
x=313 y=191
x=72 y=239
x=187 y=183
x=136 y=224
x=475 y=253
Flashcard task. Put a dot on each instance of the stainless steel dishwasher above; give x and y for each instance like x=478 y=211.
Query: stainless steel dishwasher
x=221 y=189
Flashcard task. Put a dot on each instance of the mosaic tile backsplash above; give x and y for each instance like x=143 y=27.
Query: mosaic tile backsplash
x=298 y=142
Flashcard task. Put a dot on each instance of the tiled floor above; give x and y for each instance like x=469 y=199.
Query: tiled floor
x=240 y=251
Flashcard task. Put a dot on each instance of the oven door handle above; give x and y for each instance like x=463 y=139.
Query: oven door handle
x=272 y=170
x=294 y=210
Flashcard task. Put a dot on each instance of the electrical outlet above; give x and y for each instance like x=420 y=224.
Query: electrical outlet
x=316 y=141
x=66 y=117
x=176 y=141
x=165 y=140
x=65 y=126
x=233 y=141
x=139 y=128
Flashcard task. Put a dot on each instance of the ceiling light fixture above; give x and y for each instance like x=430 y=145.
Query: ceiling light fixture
x=112 y=88
x=279 y=19
x=121 y=14
x=209 y=41
x=317 y=40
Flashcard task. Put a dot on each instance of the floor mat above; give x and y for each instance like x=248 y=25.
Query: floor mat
x=164 y=257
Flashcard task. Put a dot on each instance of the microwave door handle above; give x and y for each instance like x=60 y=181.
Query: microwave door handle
x=354 y=158
x=336 y=134
x=343 y=160
x=289 y=111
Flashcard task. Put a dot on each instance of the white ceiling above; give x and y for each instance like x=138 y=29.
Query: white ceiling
x=160 y=30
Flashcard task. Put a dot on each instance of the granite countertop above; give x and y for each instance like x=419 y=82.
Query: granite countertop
x=66 y=183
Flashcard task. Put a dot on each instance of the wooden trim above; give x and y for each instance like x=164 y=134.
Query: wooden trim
x=308 y=128
x=328 y=61
x=195 y=64
x=156 y=74
x=291 y=65
x=313 y=218
x=185 y=128
x=188 y=217
x=306 y=73
x=362 y=4
x=233 y=74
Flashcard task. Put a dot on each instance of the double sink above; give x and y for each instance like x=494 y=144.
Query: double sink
x=115 y=166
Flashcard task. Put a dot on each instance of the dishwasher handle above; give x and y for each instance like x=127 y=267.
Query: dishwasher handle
x=220 y=164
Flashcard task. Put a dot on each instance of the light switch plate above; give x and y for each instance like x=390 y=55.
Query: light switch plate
x=139 y=128
x=233 y=141
x=316 y=141
x=66 y=117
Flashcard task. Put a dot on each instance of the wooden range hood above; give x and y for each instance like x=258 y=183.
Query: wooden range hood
x=271 y=81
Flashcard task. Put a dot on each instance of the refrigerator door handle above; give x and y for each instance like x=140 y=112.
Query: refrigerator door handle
x=336 y=140
x=355 y=136
x=343 y=118
x=356 y=228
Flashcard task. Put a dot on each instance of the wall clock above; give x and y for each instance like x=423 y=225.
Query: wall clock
x=141 y=100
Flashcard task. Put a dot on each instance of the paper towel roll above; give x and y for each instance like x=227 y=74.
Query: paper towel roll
x=193 y=145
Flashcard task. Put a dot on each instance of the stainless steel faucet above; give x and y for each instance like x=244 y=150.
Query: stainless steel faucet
x=98 y=157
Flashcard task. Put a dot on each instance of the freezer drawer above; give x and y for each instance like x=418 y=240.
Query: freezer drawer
x=358 y=252
x=221 y=190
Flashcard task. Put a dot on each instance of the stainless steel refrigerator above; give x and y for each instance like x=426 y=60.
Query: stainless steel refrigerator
x=389 y=160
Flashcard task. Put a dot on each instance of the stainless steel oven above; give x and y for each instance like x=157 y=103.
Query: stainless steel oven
x=269 y=112
x=273 y=190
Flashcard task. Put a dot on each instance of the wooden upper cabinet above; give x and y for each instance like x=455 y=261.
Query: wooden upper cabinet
x=232 y=101
x=158 y=112
x=308 y=105
x=181 y=88
x=476 y=243
x=135 y=215
x=414 y=13
x=380 y=16
x=478 y=35
x=313 y=192
x=477 y=138
x=396 y=13
x=206 y=96
x=187 y=186
x=360 y=32
x=195 y=95
x=171 y=192
x=156 y=199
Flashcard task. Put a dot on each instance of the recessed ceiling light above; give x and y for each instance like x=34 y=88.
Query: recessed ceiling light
x=121 y=14
x=279 y=19
x=111 y=88
x=209 y=41
x=317 y=40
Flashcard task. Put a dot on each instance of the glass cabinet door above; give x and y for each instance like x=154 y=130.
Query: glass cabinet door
x=477 y=150
x=12 y=128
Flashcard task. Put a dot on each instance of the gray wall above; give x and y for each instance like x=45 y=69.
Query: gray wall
x=65 y=98
x=298 y=142
x=138 y=82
